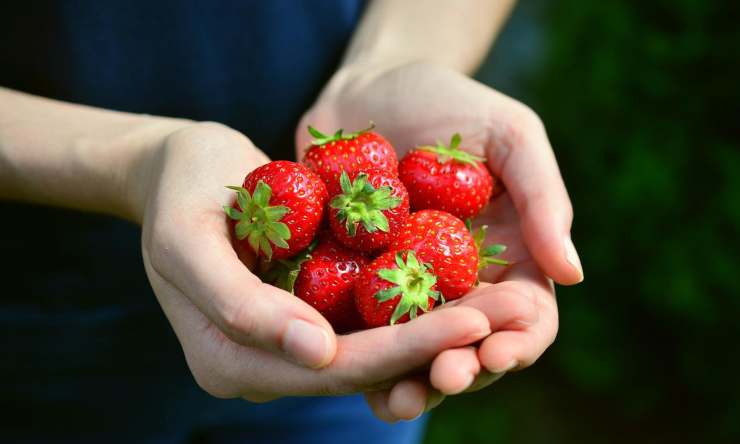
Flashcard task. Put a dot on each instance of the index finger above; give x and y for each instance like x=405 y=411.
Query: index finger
x=520 y=154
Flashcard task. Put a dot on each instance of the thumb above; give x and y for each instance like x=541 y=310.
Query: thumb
x=205 y=267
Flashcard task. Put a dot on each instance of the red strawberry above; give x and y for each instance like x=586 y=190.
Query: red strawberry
x=279 y=209
x=328 y=156
x=368 y=210
x=395 y=287
x=446 y=178
x=445 y=242
x=325 y=281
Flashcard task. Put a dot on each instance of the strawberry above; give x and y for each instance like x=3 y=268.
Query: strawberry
x=447 y=178
x=395 y=287
x=328 y=156
x=445 y=242
x=368 y=210
x=278 y=209
x=325 y=282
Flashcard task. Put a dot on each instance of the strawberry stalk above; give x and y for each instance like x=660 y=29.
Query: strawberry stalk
x=322 y=139
x=414 y=283
x=486 y=254
x=283 y=273
x=361 y=203
x=257 y=221
x=453 y=152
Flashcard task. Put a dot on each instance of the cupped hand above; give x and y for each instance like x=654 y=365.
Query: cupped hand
x=417 y=104
x=241 y=337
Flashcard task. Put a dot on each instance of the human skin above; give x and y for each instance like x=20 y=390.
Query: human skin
x=243 y=338
x=417 y=91
x=240 y=337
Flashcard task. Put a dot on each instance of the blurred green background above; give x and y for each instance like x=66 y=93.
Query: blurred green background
x=642 y=105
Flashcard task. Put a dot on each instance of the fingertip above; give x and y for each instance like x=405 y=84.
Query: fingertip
x=408 y=399
x=434 y=399
x=453 y=371
x=309 y=344
x=378 y=402
x=503 y=351
x=571 y=256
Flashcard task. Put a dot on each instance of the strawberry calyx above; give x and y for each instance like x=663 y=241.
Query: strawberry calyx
x=446 y=153
x=257 y=221
x=322 y=139
x=284 y=272
x=414 y=283
x=361 y=203
x=486 y=255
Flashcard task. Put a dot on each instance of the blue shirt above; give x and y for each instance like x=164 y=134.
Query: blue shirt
x=88 y=354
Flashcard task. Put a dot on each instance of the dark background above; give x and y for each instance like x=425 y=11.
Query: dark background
x=641 y=102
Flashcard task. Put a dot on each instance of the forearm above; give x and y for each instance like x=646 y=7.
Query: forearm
x=75 y=156
x=455 y=34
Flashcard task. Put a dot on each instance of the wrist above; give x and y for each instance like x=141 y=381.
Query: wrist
x=126 y=163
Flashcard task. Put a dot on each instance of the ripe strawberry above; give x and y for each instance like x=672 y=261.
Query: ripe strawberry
x=278 y=209
x=368 y=210
x=395 y=287
x=445 y=242
x=446 y=178
x=325 y=281
x=328 y=156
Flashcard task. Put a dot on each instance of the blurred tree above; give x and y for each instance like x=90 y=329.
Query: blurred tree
x=642 y=104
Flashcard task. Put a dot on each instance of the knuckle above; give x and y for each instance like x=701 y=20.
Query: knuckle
x=522 y=123
x=524 y=312
x=518 y=303
x=339 y=383
x=238 y=323
x=527 y=118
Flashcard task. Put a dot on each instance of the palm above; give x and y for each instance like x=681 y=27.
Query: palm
x=230 y=324
x=503 y=228
x=410 y=108
x=421 y=103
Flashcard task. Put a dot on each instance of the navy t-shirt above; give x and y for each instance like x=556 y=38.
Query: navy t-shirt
x=255 y=66
x=83 y=338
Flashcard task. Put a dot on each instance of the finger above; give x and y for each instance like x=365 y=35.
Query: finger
x=454 y=371
x=408 y=399
x=434 y=399
x=509 y=304
x=381 y=354
x=203 y=265
x=483 y=380
x=378 y=402
x=510 y=349
x=367 y=360
x=522 y=157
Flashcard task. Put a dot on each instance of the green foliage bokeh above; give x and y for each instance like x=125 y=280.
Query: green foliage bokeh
x=642 y=104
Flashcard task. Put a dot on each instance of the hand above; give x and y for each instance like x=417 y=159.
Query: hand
x=241 y=337
x=419 y=103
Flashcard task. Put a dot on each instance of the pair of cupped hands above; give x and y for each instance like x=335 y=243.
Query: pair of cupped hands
x=244 y=338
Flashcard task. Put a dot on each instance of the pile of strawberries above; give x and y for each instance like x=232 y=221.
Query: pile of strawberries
x=338 y=231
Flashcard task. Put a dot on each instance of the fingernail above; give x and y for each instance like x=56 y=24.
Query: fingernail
x=572 y=256
x=513 y=363
x=471 y=379
x=306 y=343
x=434 y=400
